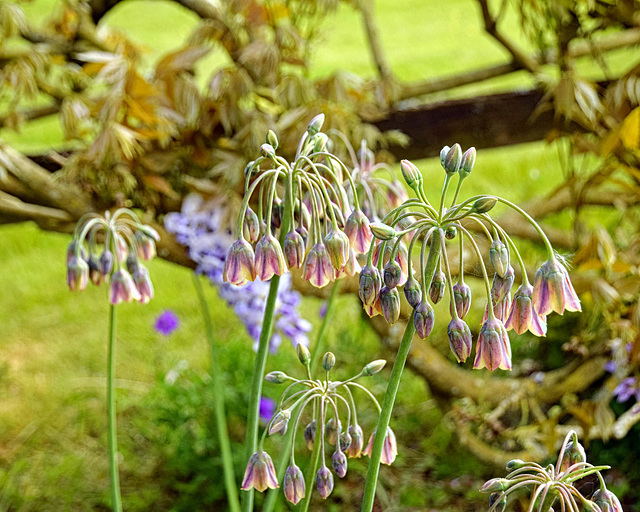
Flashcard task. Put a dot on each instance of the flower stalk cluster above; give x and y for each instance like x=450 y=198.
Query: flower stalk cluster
x=110 y=249
x=334 y=422
x=429 y=229
x=553 y=486
x=304 y=217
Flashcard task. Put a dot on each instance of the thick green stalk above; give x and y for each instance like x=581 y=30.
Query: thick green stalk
x=219 y=411
x=394 y=383
x=111 y=413
x=311 y=473
x=273 y=494
x=253 y=414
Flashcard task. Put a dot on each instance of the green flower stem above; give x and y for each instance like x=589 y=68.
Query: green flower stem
x=273 y=494
x=220 y=416
x=253 y=415
x=111 y=413
x=303 y=506
x=392 y=387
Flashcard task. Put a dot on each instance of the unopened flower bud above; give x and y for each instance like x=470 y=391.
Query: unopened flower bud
x=443 y=154
x=316 y=124
x=293 y=484
x=132 y=263
x=280 y=422
x=496 y=485
x=392 y=274
x=606 y=501
x=310 y=434
x=95 y=274
x=410 y=173
x=149 y=231
x=412 y=292
x=484 y=204
x=514 y=464
x=320 y=141
x=345 y=441
x=293 y=248
x=272 y=139
x=324 y=482
x=331 y=430
x=77 y=273
x=267 y=151
x=357 y=441
x=462 y=298
x=373 y=367
x=438 y=286
x=337 y=244
x=501 y=286
x=390 y=304
x=381 y=231
x=459 y=339
x=498 y=506
x=453 y=159
x=370 y=284
x=328 y=361
x=468 y=161
x=106 y=262
x=339 y=461
x=251 y=226
x=499 y=256
x=573 y=453
x=277 y=377
x=423 y=319
x=303 y=354
x=451 y=232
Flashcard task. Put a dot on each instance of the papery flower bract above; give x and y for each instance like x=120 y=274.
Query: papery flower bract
x=389 y=447
x=390 y=304
x=423 y=319
x=522 y=317
x=294 y=248
x=459 y=339
x=143 y=283
x=239 y=264
x=339 y=462
x=77 y=273
x=260 y=473
x=438 y=287
x=358 y=231
x=122 y=288
x=493 y=349
x=369 y=284
x=269 y=258
x=166 y=323
x=324 y=482
x=553 y=291
x=337 y=244
x=462 y=298
x=293 y=484
x=317 y=267
x=357 y=441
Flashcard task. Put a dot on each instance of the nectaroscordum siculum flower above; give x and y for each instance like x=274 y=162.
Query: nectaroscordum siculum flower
x=418 y=223
x=334 y=422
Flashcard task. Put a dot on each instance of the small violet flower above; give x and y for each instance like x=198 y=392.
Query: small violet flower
x=166 y=323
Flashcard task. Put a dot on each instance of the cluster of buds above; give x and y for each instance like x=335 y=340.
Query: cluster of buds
x=110 y=249
x=389 y=265
x=326 y=399
x=553 y=484
x=304 y=217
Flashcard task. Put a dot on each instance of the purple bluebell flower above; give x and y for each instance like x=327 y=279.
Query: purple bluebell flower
x=204 y=228
x=166 y=323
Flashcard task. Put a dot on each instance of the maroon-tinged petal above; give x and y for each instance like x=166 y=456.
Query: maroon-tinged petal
x=337 y=244
x=269 y=258
x=423 y=319
x=122 y=288
x=239 y=264
x=293 y=485
x=324 y=482
x=77 y=273
x=358 y=230
x=493 y=349
x=459 y=339
x=294 y=249
x=260 y=473
x=462 y=298
x=317 y=267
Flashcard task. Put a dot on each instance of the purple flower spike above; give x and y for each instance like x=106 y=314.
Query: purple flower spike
x=493 y=349
x=260 y=473
x=122 y=288
x=317 y=267
x=522 y=316
x=459 y=339
x=358 y=231
x=166 y=323
x=553 y=291
x=238 y=265
x=267 y=408
x=293 y=485
x=269 y=258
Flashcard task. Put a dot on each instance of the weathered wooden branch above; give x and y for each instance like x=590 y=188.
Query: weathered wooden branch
x=373 y=37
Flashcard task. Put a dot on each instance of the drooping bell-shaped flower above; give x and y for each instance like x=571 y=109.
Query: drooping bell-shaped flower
x=351 y=267
x=317 y=267
x=423 y=319
x=146 y=246
x=339 y=461
x=462 y=298
x=324 y=482
x=389 y=447
x=260 y=473
x=143 y=283
x=459 y=339
x=358 y=231
x=280 y=422
x=522 y=317
x=390 y=304
x=357 y=441
x=337 y=244
x=269 y=258
x=553 y=291
x=294 y=248
x=493 y=349
x=122 y=288
x=293 y=484
x=239 y=264
x=77 y=273
x=402 y=258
